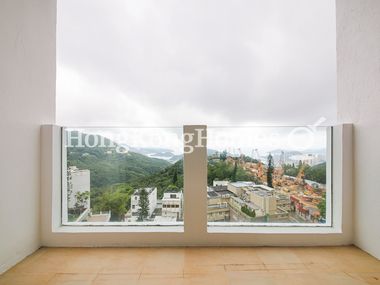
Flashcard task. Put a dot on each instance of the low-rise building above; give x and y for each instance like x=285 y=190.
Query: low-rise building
x=263 y=196
x=218 y=212
x=237 y=214
x=217 y=204
x=283 y=202
x=220 y=182
x=172 y=204
x=152 y=198
x=240 y=187
x=78 y=181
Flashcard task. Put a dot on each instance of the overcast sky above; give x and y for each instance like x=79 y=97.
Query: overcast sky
x=168 y=63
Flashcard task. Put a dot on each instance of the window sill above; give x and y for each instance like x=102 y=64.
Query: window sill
x=118 y=229
x=270 y=229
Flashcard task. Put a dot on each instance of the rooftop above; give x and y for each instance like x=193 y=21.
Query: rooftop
x=147 y=189
x=221 y=190
x=173 y=191
x=212 y=194
x=242 y=183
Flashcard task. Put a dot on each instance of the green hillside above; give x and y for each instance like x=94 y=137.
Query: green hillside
x=170 y=177
x=109 y=167
x=116 y=197
x=316 y=173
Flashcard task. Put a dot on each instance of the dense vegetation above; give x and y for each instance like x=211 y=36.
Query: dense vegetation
x=114 y=175
x=221 y=170
x=315 y=173
x=116 y=198
x=168 y=178
x=248 y=211
x=108 y=167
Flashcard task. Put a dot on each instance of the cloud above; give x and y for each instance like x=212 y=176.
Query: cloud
x=206 y=62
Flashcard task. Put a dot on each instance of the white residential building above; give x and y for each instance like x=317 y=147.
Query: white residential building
x=78 y=181
x=220 y=183
x=152 y=197
x=172 y=204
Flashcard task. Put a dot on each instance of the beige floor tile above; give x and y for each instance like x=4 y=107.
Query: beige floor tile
x=339 y=278
x=72 y=279
x=42 y=265
x=317 y=265
x=318 y=255
x=219 y=278
x=122 y=268
x=231 y=255
x=244 y=267
x=163 y=281
x=25 y=279
x=368 y=277
x=360 y=265
x=191 y=268
x=116 y=279
x=251 y=277
x=277 y=255
x=155 y=276
x=84 y=264
x=125 y=261
x=123 y=265
x=204 y=256
x=320 y=267
x=286 y=266
x=297 y=278
x=167 y=261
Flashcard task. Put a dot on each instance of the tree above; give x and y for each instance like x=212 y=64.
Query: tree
x=316 y=173
x=172 y=187
x=116 y=202
x=248 y=211
x=223 y=155
x=175 y=176
x=270 y=171
x=143 y=211
x=81 y=200
x=233 y=176
x=322 y=206
x=300 y=164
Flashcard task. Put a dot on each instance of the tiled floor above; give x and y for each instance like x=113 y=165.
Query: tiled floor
x=210 y=266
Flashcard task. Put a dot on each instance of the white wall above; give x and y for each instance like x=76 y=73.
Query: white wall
x=358 y=44
x=27 y=99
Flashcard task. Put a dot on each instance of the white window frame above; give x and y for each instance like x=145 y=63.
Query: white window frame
x=195 y=230
x=64 y=214
x=212 y=226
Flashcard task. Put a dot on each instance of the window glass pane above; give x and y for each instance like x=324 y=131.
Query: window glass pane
x=123 y=175
x=268 y=175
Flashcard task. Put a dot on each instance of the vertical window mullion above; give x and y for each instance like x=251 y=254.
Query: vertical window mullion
x=195 y=180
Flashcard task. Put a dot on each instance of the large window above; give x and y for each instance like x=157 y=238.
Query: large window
x=268 y=175
x=122 y=176
x=255 y=175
